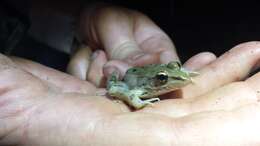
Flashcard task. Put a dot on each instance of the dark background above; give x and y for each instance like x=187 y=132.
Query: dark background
x=197 y=26
x=194 y=26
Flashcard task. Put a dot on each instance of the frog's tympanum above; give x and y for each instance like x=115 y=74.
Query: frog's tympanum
x=148 y=82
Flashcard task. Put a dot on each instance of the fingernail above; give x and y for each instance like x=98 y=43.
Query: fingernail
x=95 y=54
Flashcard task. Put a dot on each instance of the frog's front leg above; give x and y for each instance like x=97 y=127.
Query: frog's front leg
x=132 y=97
x=151 y=100
x=121 y=91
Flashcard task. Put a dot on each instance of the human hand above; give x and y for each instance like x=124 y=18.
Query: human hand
x=128 y=37
x=41 y=106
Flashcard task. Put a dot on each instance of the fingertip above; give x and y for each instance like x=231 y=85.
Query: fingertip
x=95 y=73
x=168 y=56
x=108 y=70
x=79 y=63
x=115 y=66
x=200 y=60
x=99 y=55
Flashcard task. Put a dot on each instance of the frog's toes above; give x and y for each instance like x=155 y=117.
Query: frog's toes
x=151 y=100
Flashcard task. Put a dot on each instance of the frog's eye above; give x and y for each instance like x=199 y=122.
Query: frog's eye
x=162 y=77
x=174 y=65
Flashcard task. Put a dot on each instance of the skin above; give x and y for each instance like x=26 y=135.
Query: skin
x=128 y=38
x=41 y=106
x=57 y=109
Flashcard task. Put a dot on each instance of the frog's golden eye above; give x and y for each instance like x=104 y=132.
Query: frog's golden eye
x=174 y=65
x=162 y=77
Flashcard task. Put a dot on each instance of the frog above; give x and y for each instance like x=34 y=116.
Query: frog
x=142 y=86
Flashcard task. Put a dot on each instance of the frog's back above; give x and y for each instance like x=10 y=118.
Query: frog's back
x=145 y=71
x=141 y=76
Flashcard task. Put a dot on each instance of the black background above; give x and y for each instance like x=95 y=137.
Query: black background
x=194 y=26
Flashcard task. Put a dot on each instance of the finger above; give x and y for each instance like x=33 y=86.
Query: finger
x=115 y=66
x=95 y=74
x=226 y=98
x=234 y=65
x=112 y=29
x=200 y=60
x=18 y=89
x=79 y=63
x=168 y=56
x=13 y=78
x=61 y=80
x=254 y=83
x=153 y=58
x=152 y=39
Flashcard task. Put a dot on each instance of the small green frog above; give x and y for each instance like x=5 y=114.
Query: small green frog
x=148 y=82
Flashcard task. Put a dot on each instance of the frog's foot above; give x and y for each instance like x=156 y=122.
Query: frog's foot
x=151 y=101
x=138 y=103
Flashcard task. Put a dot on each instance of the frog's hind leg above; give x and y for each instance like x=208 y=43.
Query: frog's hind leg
x=151 y=100
x=137 y=103
x=131 y=97
x=121 y=91
x=135 y=100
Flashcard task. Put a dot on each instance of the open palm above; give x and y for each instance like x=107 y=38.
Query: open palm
x=41 y=106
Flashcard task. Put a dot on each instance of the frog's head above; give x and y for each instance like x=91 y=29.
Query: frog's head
x=173 y=76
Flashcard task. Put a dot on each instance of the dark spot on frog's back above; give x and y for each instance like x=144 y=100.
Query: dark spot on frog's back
x=134 y=70
x=131 y=70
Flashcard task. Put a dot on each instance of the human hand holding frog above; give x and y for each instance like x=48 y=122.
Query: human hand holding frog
x=129 y=38
x=41 y=106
